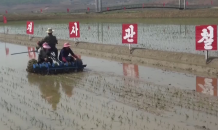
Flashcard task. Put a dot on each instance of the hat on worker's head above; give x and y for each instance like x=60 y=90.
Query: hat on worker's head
x=67 y=44
x=50 y=30
x=45 y=45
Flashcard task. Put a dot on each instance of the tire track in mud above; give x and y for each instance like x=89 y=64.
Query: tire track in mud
x=105 y=101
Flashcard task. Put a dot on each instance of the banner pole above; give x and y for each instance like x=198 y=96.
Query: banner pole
x=206 y=55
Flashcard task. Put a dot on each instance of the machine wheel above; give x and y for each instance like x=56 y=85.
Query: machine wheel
x=30 y=65
x=79 y=64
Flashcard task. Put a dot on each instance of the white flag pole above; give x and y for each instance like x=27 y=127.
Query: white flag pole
x=206 y=54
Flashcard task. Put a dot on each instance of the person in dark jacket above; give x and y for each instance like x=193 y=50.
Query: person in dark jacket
x=44 y=54
x=51 y=40
x=65 y=51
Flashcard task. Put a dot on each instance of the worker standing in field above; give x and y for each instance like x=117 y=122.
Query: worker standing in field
x=51 y=40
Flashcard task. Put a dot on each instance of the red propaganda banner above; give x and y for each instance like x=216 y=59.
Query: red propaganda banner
x=74 y=30
x=4 y=19
x=206 y=85
x=29 y=27
x=206 y=37
x=129 y=33
x=130 y=70
x=32 y=55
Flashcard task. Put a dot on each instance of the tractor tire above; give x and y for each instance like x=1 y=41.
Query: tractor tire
x=30 y=65
x=80 y=64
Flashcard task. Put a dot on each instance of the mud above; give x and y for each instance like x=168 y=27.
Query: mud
x=106 y=96
x=191 y=63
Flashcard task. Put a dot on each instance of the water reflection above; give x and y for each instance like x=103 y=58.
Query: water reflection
x=6 y=50
x=130 y=70
x=206 y=85
x=32 y=55
x=49 y=88
x=68 y=89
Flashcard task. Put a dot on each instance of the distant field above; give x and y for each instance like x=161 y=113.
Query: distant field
x=128 y=15
x=24 y=6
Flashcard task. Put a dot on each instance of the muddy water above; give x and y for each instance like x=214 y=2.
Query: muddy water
x=166 y=37
x=107 y=95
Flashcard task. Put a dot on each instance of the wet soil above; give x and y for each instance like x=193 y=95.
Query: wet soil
x=107 y=95
x=191 y=63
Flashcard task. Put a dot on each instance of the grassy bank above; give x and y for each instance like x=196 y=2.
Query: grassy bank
x=127 y=16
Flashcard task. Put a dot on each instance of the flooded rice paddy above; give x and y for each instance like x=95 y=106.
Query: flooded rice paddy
x=166 y=37
x=106 y=96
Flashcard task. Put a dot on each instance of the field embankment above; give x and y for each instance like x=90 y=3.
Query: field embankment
x=170 y=60
x=128 y=14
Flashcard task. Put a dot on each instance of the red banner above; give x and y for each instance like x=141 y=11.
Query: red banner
x=68 y=10
x=206 y=37
x=32 y=55
x=129 y=33
x=206 y=85
x=30 y=27
x=74 y=30
x=130 y=70
x=4 y=19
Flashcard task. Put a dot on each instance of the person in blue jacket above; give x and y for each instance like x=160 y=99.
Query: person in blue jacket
x=64 y=54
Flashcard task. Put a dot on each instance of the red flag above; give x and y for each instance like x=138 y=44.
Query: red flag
x=68 y=10
x=41 y=10
x=6 y=11
x=88 y=9
x=5 y=19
